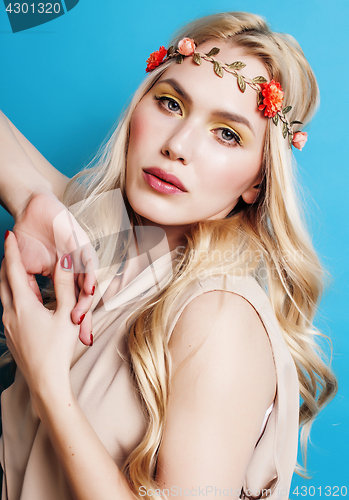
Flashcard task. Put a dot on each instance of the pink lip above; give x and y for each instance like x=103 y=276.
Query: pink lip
x=162 y=181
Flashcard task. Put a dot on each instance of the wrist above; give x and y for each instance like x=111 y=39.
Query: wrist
x=50 y=398
x=21 y=198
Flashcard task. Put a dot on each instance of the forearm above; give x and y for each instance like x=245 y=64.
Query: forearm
x=89 y=469
x=23 y=170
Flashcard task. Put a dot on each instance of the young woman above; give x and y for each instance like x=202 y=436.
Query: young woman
x=193 y=381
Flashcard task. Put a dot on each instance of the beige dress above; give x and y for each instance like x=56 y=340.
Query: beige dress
x=101 y=381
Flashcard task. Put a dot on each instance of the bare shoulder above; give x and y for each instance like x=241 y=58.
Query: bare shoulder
x=222 y=325
x=222 y=381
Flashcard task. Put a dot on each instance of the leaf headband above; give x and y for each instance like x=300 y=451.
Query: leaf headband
x=269 y=94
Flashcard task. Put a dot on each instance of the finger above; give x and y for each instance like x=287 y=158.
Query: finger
x=82 y=307
x=80 y=281
x=5 y=290
x=86 y=330
x=15 y=272
x=83 y=304
x=85 y=262
x=86 y=282
x=71 y=238
x=77 y=290
x=76 y=242
x=90 y=261
x=64 y=284
x=34 y=286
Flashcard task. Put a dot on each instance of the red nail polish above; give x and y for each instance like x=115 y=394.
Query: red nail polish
x=6 y=234
x=91 y=340
x=81 y=319
x=93 y=290
x=66 y=261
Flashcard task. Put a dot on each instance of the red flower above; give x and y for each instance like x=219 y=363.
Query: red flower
x=156 y=58
x=273 y=97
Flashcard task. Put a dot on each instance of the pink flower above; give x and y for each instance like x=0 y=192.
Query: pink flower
x=299 y=139
x=156 y=58
x=186 y=46
x=272 y=98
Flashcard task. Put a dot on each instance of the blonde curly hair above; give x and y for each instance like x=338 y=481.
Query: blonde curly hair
x=271 y=228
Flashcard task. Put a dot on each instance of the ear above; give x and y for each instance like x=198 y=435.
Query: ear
x=250 y=195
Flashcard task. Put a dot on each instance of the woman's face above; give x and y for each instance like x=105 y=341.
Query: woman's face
x=203 y=130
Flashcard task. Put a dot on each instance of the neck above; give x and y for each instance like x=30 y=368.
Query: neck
x=175 y=235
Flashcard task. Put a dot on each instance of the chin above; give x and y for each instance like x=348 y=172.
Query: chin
x=157 y=214
x=160 y=218
x=147 y=209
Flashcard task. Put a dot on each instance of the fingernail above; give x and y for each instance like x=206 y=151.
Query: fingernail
x=66 y=261
x=93 y=290
x=81 y=319
x=91 y=340
x=7 y=233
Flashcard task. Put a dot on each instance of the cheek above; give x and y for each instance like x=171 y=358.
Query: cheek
x=138 y=129
x=229 y=170
x=145 y=128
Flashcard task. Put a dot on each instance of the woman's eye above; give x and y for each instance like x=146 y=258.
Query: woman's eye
x=168 y=104
x=173 y=105
x=228 y=137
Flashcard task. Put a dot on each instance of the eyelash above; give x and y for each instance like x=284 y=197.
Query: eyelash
x=237 y=139
x=162 y=100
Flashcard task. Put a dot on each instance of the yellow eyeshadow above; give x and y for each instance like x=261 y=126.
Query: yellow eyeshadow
x=159 y=93
x=224 y=125
x=164 y=85
x=170 y=96
x=166 y=89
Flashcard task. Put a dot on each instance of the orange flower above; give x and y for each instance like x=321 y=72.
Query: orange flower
x=273 y=97
x=156 y=58
x=186 y=46
x=299 y=140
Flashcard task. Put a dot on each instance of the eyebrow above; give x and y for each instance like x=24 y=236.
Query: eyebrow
x=176 y=86
x=233 y=117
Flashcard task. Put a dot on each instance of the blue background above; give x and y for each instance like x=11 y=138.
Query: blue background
x=64 y=83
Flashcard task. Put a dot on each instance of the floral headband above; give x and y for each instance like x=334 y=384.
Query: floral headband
x=269 y=94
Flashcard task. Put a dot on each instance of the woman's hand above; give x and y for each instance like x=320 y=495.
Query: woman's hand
x=46 y=229
x=41 y=341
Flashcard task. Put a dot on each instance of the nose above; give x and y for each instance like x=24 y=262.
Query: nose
x=179 y=144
